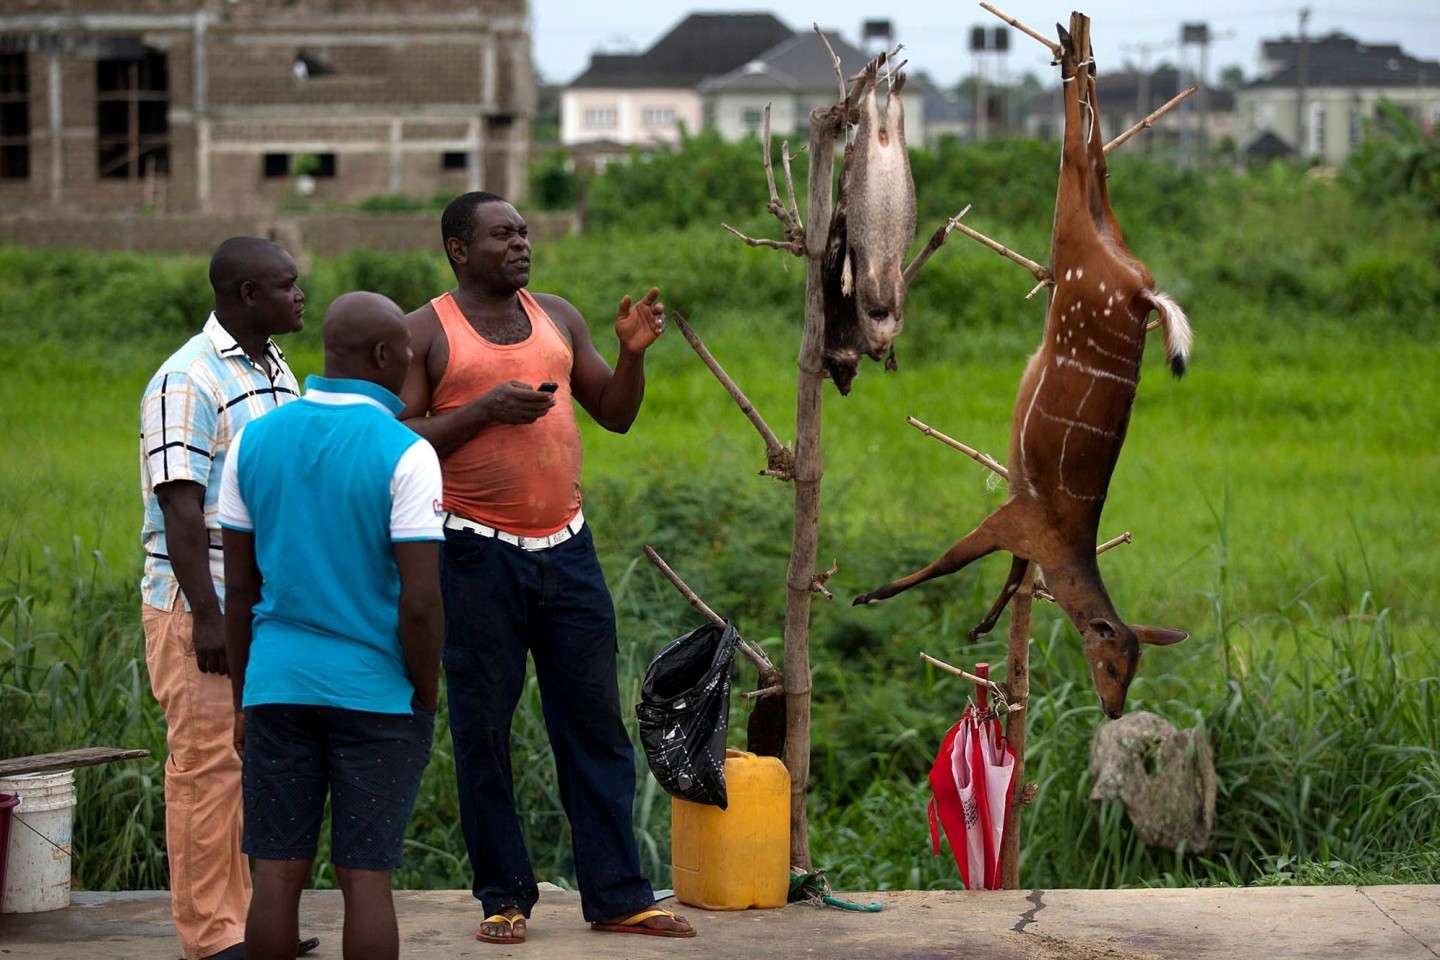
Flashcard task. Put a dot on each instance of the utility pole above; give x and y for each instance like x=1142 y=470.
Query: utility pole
x=1142 y=87
x=1199 y=33
x=1302 y=65
x=982 y=43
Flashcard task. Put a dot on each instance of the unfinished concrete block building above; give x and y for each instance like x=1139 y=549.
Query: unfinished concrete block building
x=237 y=106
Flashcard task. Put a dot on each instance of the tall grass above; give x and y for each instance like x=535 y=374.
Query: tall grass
x=1281 y=498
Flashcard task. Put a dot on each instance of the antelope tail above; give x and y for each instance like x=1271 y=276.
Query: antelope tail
x=1178 y=337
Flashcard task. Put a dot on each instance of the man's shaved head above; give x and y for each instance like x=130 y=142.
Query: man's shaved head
x=366 y=338
x=242 y=258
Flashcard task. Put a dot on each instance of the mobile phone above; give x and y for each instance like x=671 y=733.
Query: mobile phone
x=549 y=386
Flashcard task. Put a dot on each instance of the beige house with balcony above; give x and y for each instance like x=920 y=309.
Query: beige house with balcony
x=792 y=78
x=646 y=99
x=1316 y=96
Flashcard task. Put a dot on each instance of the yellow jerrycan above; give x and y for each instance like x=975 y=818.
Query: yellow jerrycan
x=736 y=858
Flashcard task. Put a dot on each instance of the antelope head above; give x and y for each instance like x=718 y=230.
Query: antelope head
x=1112 y=650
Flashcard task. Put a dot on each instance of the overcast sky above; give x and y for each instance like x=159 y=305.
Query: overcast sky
x=936 y=33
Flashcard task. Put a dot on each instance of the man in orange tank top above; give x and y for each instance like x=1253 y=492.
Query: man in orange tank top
x=490 y=385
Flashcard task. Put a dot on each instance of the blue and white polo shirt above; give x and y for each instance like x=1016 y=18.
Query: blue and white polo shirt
x=328 y=486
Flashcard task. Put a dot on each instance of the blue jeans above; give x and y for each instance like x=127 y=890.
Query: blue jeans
x=501 y=603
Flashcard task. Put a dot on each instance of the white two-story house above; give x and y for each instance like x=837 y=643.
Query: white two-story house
x=1315 y=97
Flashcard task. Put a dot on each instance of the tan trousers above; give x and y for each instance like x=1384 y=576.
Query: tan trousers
x=209 y=876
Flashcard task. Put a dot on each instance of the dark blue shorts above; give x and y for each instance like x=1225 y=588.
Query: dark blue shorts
x=369 y=763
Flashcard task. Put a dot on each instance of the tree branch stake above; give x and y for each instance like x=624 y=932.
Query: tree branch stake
x=756 y=656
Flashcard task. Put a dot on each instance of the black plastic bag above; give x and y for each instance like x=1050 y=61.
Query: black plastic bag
x=684 y=710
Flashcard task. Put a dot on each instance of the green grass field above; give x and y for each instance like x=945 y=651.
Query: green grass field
x=1281 y=497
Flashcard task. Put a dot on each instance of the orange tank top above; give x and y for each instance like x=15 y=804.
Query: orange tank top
x=520 y=478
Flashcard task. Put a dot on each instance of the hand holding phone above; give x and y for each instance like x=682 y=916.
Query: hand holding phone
x=549 y=386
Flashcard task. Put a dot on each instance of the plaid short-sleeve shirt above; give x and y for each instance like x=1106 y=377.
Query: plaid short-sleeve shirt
x=193 y=407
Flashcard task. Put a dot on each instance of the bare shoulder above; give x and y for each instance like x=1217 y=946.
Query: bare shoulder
x=563 y=312
x=423 y=322
x=430 y=354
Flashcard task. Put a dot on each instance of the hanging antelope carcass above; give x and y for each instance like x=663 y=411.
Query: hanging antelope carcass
x=1074 y=403
x=870 y=233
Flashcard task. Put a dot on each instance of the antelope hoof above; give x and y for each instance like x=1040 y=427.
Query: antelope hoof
x=862 y=600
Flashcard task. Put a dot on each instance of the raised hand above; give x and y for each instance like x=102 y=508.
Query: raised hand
x=640 y=324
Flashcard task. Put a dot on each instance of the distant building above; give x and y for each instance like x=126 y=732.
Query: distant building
x=646 y=99
x=1198 y=126
x=793 y=78
x=1315 y=97
x=947 y=114
x=229 y=106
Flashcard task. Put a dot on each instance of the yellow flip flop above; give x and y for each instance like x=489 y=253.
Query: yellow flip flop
x=509 y=922
x=635 y=923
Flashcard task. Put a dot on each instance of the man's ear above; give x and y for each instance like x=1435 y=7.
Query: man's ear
x=380 y=354
x=247 y=292
x=456 y=250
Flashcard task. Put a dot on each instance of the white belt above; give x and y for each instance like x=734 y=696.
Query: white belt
x=456 y=522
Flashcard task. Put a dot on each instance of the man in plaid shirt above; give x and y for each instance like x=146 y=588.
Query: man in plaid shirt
x=221 y=379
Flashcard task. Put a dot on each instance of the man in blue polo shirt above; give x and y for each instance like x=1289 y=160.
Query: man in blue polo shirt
x=332 y=520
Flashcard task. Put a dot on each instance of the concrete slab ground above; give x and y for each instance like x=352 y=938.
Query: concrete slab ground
x=1314 y=923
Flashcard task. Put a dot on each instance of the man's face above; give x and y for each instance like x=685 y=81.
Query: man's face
x=276 y=296
x=500 y=250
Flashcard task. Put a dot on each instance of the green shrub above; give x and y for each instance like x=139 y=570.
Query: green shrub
x=553 y=184
x=390 y=203
x=1397 y=158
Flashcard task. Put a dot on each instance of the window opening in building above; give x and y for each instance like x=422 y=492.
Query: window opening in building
x=307 y=65
x=132 y=117
x=14 y=117
x=280 y=166
x=658 y=117
x=1317 y=128
x=454 y=160
x=753 y=117
x=600 y=117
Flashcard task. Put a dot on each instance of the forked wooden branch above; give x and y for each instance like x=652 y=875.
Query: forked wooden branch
x=789 y=217
x=937 y=240
x=755 y=656
x=785 y=245
x=834 y=62
x=821 y=578
x=1051 y=44
x=779 y=459
x=1149 y=121
x=849 y=100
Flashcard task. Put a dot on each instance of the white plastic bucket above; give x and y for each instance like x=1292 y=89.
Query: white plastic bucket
x=37 y=862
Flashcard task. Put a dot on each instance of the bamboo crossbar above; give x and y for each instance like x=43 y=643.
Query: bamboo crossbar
x=755 y=656
x=984 y=459
x=1028 y=31
x=1149 y=121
